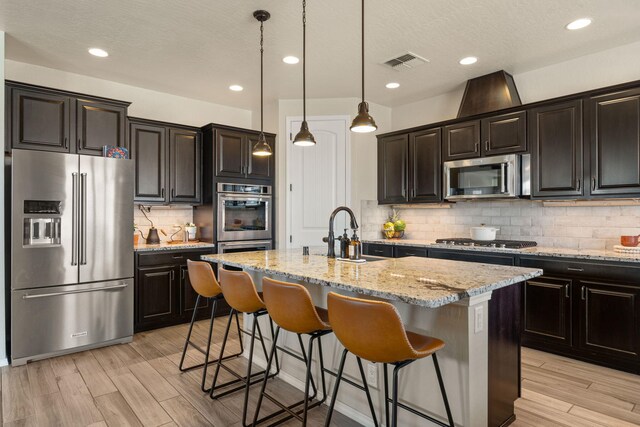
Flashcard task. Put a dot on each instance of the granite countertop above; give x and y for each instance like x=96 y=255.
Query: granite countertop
x=425 y=282
x=143 y=247
x=588 y=254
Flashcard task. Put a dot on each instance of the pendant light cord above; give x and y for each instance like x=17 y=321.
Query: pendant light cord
x=262 y=77
x=304 y=60
x=362 y=50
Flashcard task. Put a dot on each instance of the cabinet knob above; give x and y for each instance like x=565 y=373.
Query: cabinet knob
x=486 y=145
x=566 y=291
x=583 y=292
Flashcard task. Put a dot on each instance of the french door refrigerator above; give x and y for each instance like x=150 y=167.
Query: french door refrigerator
x=71 y=253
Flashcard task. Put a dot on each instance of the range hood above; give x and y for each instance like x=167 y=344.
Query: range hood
x=488 y=93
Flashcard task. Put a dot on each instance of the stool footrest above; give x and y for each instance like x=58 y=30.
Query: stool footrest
x=289 y=409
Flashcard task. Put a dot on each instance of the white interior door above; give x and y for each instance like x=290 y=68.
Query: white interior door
x=318 y=180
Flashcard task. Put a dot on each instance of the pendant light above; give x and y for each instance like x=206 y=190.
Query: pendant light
x=363 y=122
x=304 y=138
x=262 y=148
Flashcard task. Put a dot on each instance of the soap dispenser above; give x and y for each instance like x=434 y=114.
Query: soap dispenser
x=356 y=247
x=344 y=245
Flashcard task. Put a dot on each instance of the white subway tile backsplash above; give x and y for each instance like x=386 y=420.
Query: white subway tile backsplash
x=164 y=218
x=577 y=227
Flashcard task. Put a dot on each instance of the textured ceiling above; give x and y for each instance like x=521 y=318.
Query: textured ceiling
x=197 y=48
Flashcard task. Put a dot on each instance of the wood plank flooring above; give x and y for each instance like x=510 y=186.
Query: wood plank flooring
x=139 y=384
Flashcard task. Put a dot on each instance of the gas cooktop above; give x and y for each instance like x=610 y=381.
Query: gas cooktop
x=504 y=244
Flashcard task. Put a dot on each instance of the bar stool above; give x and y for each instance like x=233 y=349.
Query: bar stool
x=291 y=308
x=240 y=293
x=373 y=330
x=205 y=284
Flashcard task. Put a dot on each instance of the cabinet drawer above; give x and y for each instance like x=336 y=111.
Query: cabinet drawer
x=403 y=251
x=378 y=250
x=578 y=268
x=169 y=257
x=470 y=256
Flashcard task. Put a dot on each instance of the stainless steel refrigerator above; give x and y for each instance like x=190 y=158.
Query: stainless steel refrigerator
x=71 y=253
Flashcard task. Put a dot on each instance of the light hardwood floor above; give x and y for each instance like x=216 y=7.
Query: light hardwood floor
x=139 y=384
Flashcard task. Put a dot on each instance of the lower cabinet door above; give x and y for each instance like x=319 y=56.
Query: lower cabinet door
x=188 y=297
x=547 y=309
x=157 y=294
x=610 y=319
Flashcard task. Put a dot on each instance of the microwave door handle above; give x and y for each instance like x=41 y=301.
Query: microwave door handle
x=503 y=177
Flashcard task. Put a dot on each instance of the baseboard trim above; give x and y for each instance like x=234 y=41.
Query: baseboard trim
x=4 y=362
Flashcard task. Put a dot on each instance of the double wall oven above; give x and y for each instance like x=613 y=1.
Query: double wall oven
x=244 y=220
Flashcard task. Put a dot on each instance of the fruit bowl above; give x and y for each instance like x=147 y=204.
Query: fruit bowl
x=392 y=234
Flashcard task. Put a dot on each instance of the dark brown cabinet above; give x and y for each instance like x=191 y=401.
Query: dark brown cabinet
x=99 y=124
x=425 y=166
x=149 y=152
x=547 y=309
x=609 y=319
x=156 y=290
x=614 y=134
x=392 y=169
x=39 y=121
x=557 y=150
x=46 y=119
x=234 y=158
x=168 y=162
x=504 y=134
x=163 y=293
x=462 y=141
x=185 y=165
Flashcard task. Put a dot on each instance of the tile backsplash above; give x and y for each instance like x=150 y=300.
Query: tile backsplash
x=164 y=218
x=575 y=227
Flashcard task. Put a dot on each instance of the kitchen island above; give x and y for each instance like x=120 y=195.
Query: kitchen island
x=474 y=308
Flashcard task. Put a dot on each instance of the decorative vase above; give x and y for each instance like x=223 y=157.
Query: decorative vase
x=192 y=232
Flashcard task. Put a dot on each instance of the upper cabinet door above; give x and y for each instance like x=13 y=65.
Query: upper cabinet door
x=462 y=141
x=230 y=153
x=504 y=134
x=392 y=169
x=555 y=132
x=99 y=124
x=614 y=134
x=185 y=147
x=40 y=120
x=425 y=166
x=149 y=151
x=260 y=167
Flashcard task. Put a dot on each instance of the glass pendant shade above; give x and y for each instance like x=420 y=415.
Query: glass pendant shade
x=363 y=122
x=262 y=147
x=304 y=138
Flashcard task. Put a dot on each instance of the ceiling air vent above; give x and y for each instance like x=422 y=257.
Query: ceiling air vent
x=405 y=61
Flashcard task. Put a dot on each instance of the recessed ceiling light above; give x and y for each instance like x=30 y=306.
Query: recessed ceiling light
x=290 y=60
x=468 y=60
x=96 y=51
x=392 y=85
x=578 y=23
x=236 y=88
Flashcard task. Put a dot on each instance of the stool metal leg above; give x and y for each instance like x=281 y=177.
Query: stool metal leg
x=186 y=342
x=335 y=387
x=442 y=390
x=264 y=381
x=206 y=357
x=394 y=406
x=366 y=390
x=386 y=395
x=306 y=383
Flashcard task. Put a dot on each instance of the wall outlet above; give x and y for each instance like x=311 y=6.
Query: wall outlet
x=479 y=319
x=372 y=374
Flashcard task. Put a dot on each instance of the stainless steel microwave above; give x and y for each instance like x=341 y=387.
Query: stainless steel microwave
x=496 y=177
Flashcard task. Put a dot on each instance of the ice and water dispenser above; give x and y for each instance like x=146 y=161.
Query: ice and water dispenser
x=42 y=221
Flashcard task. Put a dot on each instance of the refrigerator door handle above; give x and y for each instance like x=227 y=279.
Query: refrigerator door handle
x=83 y=219
x=74 y=216
x=79 y=291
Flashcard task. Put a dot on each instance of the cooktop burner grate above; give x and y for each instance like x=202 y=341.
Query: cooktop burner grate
x=507 y=244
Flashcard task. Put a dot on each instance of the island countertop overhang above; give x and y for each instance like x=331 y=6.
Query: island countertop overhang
x=424 y=282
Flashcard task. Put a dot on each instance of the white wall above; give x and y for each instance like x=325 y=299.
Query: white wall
x=363 y=165
x=3 y=352
x=618 y=65
x=145 y=103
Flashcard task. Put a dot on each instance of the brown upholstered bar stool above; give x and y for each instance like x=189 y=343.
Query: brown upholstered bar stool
x=206 y=286
x=291 y=308
x=373 y=330
x=240 y=293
